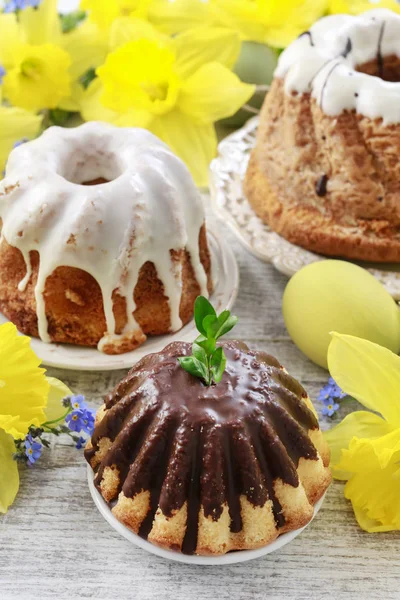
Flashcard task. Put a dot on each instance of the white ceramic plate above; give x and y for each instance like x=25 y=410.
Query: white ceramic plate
x=227 y=173
x=226 y=559
x=225 y=276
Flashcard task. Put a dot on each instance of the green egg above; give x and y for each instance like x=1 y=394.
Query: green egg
x=333 y=295
x=256 y=64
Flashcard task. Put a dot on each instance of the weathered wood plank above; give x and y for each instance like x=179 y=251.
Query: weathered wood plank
x=55 y=545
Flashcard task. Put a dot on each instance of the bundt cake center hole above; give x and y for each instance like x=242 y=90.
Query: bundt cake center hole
x=384 y=67
x=95 y=168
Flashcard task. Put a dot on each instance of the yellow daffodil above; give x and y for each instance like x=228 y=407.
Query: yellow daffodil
x=104 y=12
x=365 y=446
x=176 y=89
x=15 y=124
x=41 y=63
x=27 y=397
x=355 y=7
x=273 y=22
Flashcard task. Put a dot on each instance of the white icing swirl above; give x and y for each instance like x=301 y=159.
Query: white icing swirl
x=149 y=206
x=323 y=62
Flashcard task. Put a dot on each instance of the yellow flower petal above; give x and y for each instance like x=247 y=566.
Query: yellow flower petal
x=356 y=7
x=360 y=424
x=15 y=124
x=39 y=78
x=126 y=29
x=87 y=47
x=58 y=391
x=195 y=144
x=368 y=372
x=180 y=15
x=23 y=385
x=213 y=93
x=92 y=109
x=9 y=477
x=374 y=487
x=202 y=45
x=103 y=12
x=41 y=25
x=10 y=38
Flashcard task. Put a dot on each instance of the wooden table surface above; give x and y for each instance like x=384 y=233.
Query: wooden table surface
x=54 y=543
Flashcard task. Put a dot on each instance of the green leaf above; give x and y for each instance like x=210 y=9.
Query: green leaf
x=202 y=309
x=218 y=364
x=226 y=324
x=195 y=367
x=207 y=344
x=199 y=353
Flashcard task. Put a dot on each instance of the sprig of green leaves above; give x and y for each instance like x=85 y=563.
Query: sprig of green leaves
x=208 y=361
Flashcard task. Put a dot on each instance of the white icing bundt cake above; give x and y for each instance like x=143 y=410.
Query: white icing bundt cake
x=103 y=238
x=325 y=172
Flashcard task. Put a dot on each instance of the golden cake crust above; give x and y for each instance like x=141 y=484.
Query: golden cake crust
x=328 y=184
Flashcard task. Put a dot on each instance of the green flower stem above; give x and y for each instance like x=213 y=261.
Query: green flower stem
x=47 y=423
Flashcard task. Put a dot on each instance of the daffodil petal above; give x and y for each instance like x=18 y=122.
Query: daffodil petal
x=374 y=487
x=41 y=25
x=23 y=385
x=10 y=37
x=197 y=47
x=58 y=391
x=195 y=144
x=180 y=15
x=9 y=477
x=360 y=424
x=355 y=7
x=245 y=17
x=126 y=29
x=368 y=372
x=87 y=47
x=15 y=124
x=213 y=93
x=92 y=109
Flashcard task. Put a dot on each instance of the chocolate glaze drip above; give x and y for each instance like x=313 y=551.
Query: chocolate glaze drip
x=348 y=49
x=379 y=56
x=321 y=185
x=207 y=446
x=309 y=35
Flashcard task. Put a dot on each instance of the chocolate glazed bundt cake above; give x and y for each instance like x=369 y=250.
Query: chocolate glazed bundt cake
x=325 y=172
x=209 y=469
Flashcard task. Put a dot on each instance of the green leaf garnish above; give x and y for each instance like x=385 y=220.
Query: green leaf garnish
x=208 y=361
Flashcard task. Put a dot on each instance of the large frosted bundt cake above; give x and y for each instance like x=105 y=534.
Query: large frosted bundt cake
x=325 y=172
x=103 y=238
x=209 y=469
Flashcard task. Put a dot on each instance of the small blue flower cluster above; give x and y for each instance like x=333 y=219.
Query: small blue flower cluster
x=2 y=73
x=78 y=418
x=14 y=5
x=329 y=395
x=81 y=418
x=33 y=449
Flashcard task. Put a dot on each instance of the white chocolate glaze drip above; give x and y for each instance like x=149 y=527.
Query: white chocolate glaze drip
x=148 y=207
x=323 y=62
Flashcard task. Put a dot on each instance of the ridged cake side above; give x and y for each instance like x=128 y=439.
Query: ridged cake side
x=211 y=469
x=325 y=172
